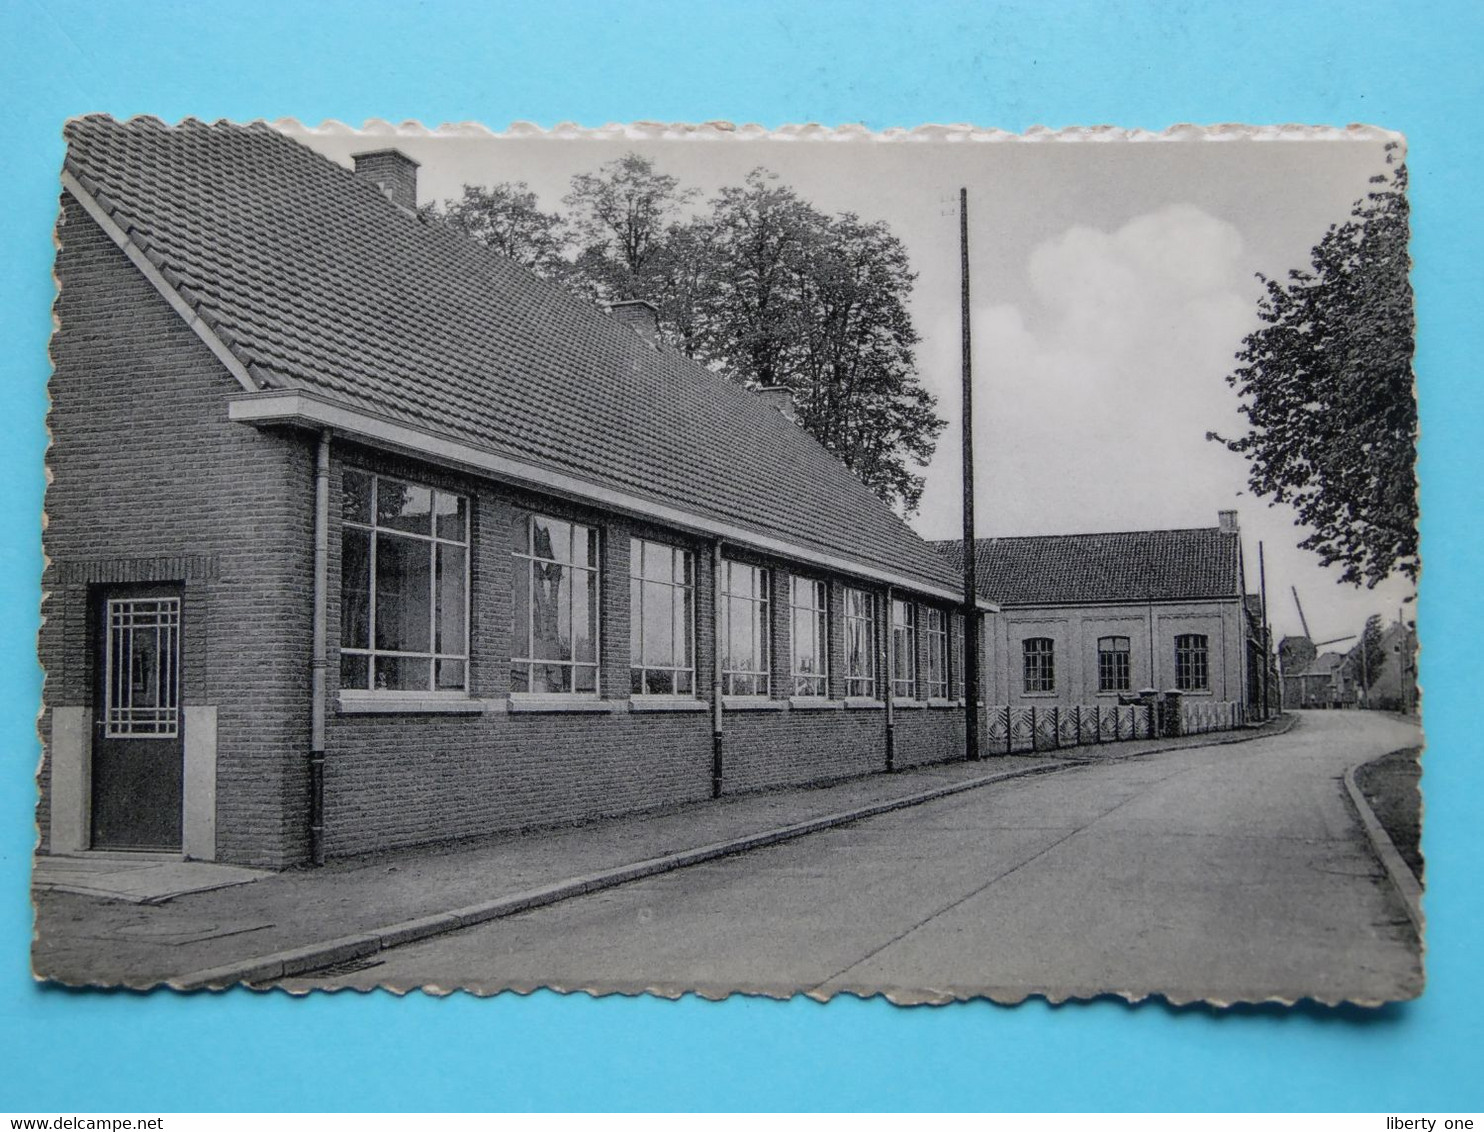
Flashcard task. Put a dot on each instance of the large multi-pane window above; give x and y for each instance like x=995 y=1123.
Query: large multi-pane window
x=404 y=586
x=809 y=603
x=860 y=643
x=554 y=605
x=1039 y=664
x=662 y=619
x=1113 y=669
x=936 y=631
x=1192 y=672
x=744 y=630
x=903 y=649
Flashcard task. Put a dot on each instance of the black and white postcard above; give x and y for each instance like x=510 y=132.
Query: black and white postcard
x=938 y=563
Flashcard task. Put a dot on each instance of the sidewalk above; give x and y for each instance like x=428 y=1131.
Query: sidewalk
x=306 y=918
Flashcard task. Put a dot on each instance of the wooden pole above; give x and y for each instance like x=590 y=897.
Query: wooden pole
x=1267 y=638
x=971 y=586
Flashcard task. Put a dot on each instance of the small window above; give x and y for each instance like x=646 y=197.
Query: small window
x=860 y=643
x=1113 y=669
x=745 y=635
x=903 y=650
x=1191 y=663
x=141 y=687
x=662 y=620
x=936 y=629
x=809 y=619
x=554 y=608
x=1040 y=664
x=404 y=586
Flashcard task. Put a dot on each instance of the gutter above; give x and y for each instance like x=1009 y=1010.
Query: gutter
x=296 y=407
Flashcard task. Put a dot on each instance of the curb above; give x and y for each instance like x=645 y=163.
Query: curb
x=348 y=948
x=1402 y=878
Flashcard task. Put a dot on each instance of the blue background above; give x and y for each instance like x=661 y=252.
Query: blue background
x=1413 y=68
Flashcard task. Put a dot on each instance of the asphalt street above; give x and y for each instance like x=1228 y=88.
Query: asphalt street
x=1231 y=873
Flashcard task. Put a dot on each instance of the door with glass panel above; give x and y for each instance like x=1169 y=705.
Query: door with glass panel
x=137 y=754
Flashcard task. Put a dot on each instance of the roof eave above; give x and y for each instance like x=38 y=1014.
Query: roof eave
x=299 y=408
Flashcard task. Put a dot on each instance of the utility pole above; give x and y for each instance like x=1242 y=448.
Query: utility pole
x=1365 y=669
x=971 y=586
x=1403 y=662
x=1267 y=636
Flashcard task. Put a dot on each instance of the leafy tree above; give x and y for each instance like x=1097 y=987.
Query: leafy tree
x=1326 y=387
x=760 y=286
x=1369 y=655
x=621 y=216
x=818 y=304
x=507 y=218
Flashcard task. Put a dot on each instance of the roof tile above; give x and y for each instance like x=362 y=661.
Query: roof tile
x=318 y=281
x=1126 y=566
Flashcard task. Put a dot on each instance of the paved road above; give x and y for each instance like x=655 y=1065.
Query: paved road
x=1233 y=873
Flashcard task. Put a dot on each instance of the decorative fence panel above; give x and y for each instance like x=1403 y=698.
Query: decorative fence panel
x=1201 y=716
x=1015 y=730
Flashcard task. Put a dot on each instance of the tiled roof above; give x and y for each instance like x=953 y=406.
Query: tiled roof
x=1127 y=566
x=1326 y=663
x=316 y=281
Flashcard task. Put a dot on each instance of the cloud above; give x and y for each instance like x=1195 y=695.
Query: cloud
x=1095 y=392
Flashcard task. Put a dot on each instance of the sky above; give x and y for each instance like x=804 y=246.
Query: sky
x=1113 y=278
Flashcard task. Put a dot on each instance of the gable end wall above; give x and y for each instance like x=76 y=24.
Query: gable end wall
x=150 y=481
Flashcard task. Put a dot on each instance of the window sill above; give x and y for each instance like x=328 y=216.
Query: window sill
x=639 y=704
x=814 y=703
x=528 y=703
x=1039 y=695
x=946 y=703
x=752 y=703
x=411 y=703
x=864 y=703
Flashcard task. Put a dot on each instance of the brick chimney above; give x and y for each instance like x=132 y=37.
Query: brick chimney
x=1227 y=521
x=639 y=315
x=393 y=171
x=781 y=397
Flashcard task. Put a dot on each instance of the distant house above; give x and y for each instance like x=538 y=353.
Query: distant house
x=1095 y=618
x=361 y=536
x=1393 y=686
x=1324 y=683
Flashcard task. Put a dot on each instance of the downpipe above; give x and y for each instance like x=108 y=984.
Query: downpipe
x=319 y=661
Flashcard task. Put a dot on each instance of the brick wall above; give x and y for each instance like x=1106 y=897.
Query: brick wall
x=395 y=780
x=150 y=482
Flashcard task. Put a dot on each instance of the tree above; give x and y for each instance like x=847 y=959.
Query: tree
x=817 y=304
x=760 y=286
x=1369 y=655
x=507 y=218
x=621 y=216
x=1326 y=387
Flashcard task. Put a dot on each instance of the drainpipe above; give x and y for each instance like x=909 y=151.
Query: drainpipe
x=891 y=672
x=319 y=663
x=716 y=612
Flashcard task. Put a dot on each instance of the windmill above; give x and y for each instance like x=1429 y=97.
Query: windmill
x=1304 y=621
